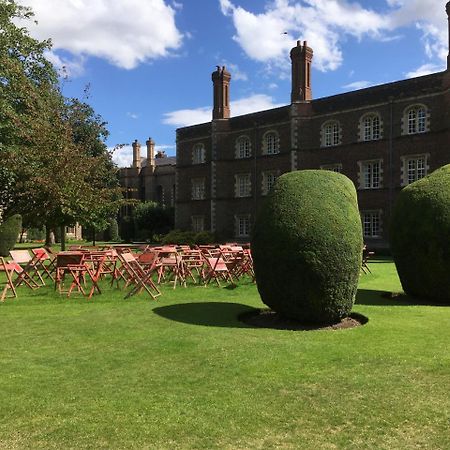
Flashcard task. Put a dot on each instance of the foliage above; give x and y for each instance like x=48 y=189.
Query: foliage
x=420 y=236
x=51 y=147
x=307 y=244
x=150 y=218
x=188 y=237
x=9 y=232
x=113 y=230
x=36 y=234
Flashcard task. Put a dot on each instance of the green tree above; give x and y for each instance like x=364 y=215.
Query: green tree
x=151 y=218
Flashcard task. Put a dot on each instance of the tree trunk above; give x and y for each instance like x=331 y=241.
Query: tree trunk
x=63 y=237
x=94 y=231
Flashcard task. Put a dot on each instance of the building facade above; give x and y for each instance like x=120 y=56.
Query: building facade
x=383 y=138
x=148 y=179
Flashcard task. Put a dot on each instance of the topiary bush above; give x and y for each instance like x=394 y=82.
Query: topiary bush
x=307 y=246
x=9 y=232
x=420 y=236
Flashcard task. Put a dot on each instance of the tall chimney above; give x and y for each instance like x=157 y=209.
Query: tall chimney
x=447 y=9
x=221 y=82
x=136 y=154
x=301 y=57
x=150 y=151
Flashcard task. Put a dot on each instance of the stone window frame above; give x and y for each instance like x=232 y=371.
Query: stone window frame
x=240 y=153
x=372 y=220
x=241 y=190
x=416 y=119
x=271 y=147
x=265 y=188
x=375 y=130
x=198 y=223
x=372 y=185
x=335 y=167
x=198 y=154
x=330 y=133
x=405 y=169
x=242 y=225
x=197 y=188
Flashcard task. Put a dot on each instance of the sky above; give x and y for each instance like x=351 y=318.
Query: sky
x=148 y=63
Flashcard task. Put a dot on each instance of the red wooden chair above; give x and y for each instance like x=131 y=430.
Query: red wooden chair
x=44 y=262
x=70 y=264
x=29 y=274
x=170 y=266
x=9 y=269
x=217 y=269
x=134 y=274
x=193 y=265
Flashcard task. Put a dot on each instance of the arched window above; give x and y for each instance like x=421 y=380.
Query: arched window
x=271 y=143
x=331 y=134
x=243 y=147
x=370 y=127
x=416 y=119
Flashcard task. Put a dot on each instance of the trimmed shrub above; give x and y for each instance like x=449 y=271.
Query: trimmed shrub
x=179 y=237
x=112 y=232
x=307 y=246
x=9 y=232
x=420 y=236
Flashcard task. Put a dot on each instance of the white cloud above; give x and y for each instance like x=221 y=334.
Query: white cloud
x=132 y=115
x=66 y=67
x=358 y=85
x=268 y=36
x=124 y=32
x=186 y=117
x=425 y=69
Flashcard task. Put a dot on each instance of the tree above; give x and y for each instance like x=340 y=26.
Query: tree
x=151 y=218
x=52 y=149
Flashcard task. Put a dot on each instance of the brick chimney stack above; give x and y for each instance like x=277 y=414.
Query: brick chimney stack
x=136 y=155
x=447 y=9
x=150 y=151
x=301 y=57
x=221 y=82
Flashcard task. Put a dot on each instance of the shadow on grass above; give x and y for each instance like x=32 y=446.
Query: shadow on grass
x=384 y=298
x=210 y=314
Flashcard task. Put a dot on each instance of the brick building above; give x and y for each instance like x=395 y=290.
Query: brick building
x=383 y=138
x=148 y=179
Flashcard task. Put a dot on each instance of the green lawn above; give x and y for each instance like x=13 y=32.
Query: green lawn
x=183 y=372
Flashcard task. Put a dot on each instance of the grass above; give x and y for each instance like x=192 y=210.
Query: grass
x=184 y=373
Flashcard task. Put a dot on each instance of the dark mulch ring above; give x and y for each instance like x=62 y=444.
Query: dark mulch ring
x=266 y=318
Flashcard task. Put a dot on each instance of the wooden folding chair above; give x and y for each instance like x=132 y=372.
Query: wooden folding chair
x=170 y=265
x=217 y=269
x=366 y=255
x=44 y=262
x=193 y=265
x=134 y=274
x=29 y=270
x=9 y=269
x=95 y=268
x=70 y=264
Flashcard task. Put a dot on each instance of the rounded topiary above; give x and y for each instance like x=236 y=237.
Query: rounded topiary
x=113 y=230
x=307 y=246
x=9 y=232
x=420 y=236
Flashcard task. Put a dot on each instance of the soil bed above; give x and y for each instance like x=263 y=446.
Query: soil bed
x=266 y=318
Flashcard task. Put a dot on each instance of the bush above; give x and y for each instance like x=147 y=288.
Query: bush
x=112 y=232
x=36 y=234
x=179 y=237
x=307 y=246
x=9 y=232
x=420 y=236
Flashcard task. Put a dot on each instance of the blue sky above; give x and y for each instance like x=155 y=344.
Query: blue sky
x=149 y=62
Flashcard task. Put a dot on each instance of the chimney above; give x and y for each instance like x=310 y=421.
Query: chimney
x=150 y=152
x=221 y=82
x=301 y=57
x=447 y=9
x=136 y=154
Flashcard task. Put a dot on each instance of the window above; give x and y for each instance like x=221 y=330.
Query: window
x=330 y=134
x=415 y=120
x=414 y=167
x=371 y=224
x=370 y=174
x=198 y=154
x=370 y=127
x=271 y=144
x=243 y=185
x=198 y=189
x=332 y=167
x=268 y=182
x=243 y=147
x=198 y=223
x=243 y=226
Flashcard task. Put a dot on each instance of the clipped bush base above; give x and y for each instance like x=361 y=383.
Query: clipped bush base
x=267 y=318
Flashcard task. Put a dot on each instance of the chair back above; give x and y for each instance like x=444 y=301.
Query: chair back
x=20 y=256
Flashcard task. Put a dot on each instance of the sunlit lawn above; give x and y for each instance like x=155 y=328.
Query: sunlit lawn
x=183 y=372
